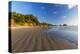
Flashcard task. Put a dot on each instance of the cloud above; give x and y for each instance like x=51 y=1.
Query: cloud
x=71 y=6
x=54 y=12
x=64 y=17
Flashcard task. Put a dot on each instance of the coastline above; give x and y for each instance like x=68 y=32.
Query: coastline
x=19 y=27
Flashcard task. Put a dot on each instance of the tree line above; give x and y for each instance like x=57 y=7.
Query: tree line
x=21 y=19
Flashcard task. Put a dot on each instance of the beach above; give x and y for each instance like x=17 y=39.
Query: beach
x=30 y=39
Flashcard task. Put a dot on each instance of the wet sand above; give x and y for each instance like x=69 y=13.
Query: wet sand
x=36 y=39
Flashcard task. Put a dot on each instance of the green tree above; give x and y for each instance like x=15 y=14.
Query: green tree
x=21 y=19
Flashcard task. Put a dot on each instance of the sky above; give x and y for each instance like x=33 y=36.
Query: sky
x=48 y=12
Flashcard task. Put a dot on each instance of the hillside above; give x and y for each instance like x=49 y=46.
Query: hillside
x=17 y=19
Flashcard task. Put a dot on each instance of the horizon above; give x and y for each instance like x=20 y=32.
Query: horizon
x=48 y=12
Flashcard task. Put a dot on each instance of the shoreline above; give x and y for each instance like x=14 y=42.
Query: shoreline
x=60 y=28
x=19 y=27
